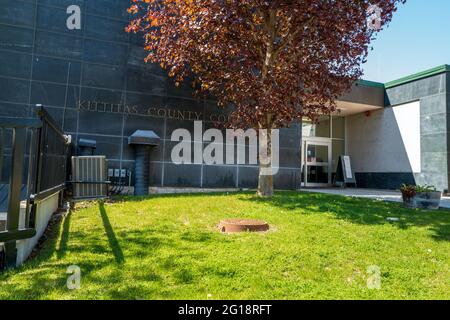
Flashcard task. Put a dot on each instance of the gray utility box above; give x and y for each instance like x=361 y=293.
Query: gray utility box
x=89 y=177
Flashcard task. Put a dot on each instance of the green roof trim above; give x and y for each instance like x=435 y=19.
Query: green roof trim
x=372 y=84
x=418 y=76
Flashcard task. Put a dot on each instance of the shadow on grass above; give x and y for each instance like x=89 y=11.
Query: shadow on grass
x=62 y=249
x=38 y=278
x=360 y=211
x=356 y=210
x=45 y=275
x=112 y=239
x=120 y=199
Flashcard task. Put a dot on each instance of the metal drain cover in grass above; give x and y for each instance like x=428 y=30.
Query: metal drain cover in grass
x=243 y=225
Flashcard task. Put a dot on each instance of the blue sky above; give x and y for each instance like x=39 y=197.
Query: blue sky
x=417 y=39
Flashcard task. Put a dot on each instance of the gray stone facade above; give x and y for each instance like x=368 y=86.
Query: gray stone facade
x=95 y=84
x=382 y=150
x=432 y=93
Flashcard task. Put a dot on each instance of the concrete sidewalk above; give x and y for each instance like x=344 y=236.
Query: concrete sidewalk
x=381 y=195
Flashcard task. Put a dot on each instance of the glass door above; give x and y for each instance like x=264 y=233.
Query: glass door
x=317 y=163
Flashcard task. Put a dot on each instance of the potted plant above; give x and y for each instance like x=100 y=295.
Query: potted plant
x=421 y=197
x=408 y=194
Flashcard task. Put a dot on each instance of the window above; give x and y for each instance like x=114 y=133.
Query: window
x=322 y=129
x=328 y=127
x=338 y=147
x=338 y=128
x=338 y=140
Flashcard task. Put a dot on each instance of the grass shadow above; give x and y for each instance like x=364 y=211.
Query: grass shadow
x=112 y=239
x=360 y=211
x=65 y=234
x=121 y=199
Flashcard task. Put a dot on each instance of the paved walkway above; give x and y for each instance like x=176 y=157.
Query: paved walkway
x=382 y=195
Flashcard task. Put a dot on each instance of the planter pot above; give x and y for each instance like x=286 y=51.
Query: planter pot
x=424 y=200
x=428 y=200
x=409 y=202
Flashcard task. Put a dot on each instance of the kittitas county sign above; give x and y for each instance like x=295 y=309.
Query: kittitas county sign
x=159 y=112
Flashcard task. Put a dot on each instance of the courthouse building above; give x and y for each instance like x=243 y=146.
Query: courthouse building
x=96 y=86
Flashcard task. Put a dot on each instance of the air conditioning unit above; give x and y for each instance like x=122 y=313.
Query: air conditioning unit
x=89 y=177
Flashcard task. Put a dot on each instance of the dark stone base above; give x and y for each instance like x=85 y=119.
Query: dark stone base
x=391 y=181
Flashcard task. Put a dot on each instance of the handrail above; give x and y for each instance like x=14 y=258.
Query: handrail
x=47 y=152
x=35 y=198
x=45 y=116
x=15 y=235
x=89 y=182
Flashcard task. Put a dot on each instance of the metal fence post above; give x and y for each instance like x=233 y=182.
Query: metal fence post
x=2 y=144
x=15 y=185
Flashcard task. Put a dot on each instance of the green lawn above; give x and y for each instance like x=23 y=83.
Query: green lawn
x=167 y=247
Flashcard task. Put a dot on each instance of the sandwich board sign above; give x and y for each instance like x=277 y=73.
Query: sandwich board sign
x=344 y=174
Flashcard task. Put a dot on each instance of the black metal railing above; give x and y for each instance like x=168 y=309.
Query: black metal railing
x=52 y=157
x=37 y=150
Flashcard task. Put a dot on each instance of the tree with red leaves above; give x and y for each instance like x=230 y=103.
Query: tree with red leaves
x=275 y=62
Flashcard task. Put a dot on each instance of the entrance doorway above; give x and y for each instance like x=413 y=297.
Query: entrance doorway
x=317 y=161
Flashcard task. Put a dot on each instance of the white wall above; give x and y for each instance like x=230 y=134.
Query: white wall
x=387 y=141
x=408 y=121
x=44 y=212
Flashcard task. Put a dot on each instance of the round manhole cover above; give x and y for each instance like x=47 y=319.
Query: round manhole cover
x=243 y=225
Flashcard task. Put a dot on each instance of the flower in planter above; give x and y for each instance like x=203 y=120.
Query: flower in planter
x=408 y=191
x=425 y=189
x=423 y=197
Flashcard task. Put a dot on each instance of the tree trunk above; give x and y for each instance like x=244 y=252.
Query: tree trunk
x=265 y=179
